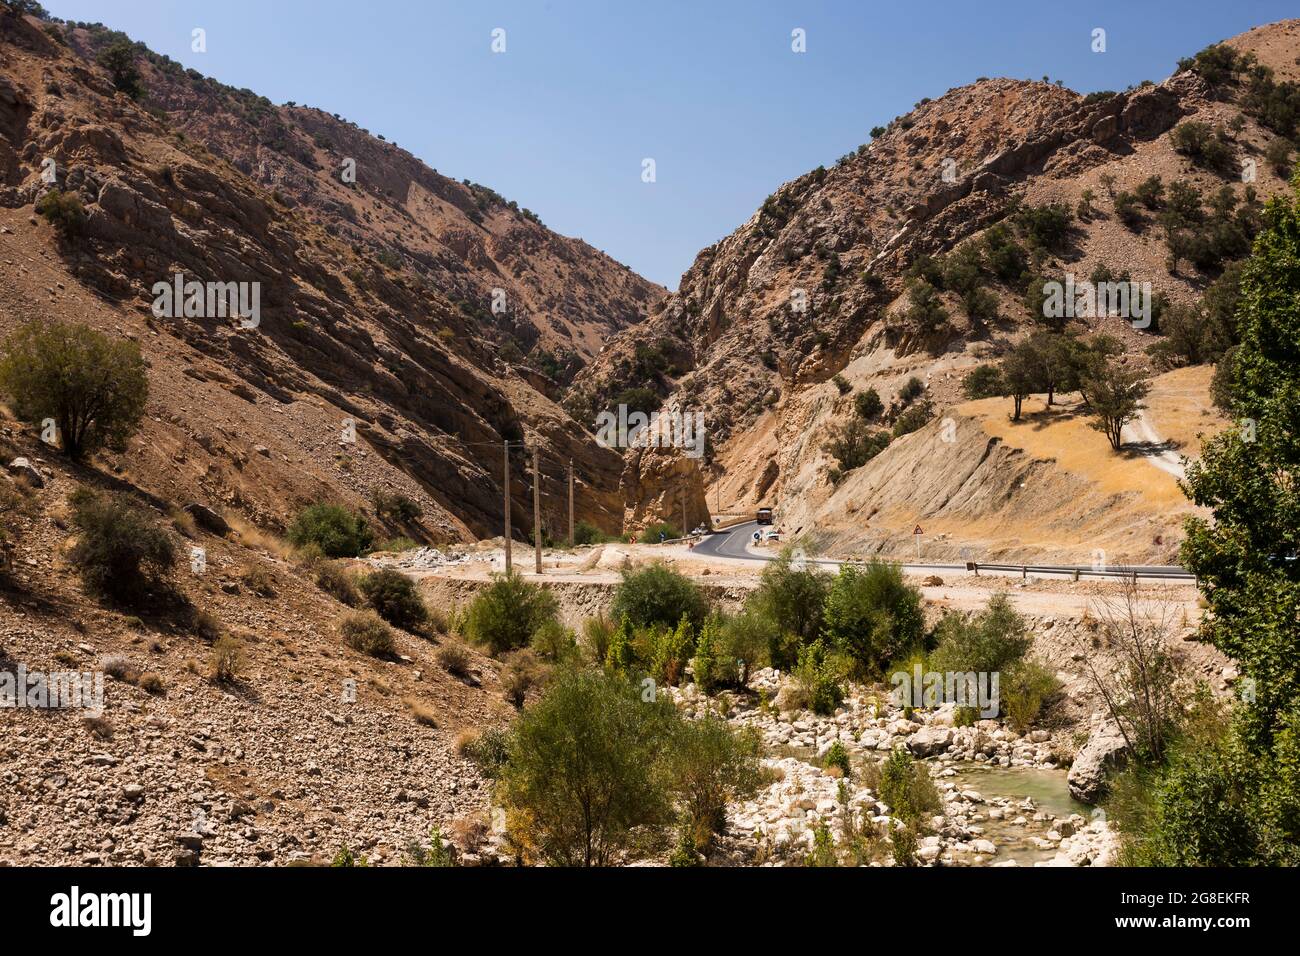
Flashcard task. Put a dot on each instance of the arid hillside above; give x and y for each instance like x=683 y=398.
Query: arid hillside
x=917 y=258
x=377 y=360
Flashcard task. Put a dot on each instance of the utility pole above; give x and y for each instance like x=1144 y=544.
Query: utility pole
x=571 y=502
x=537 y=512
x=685 y=527
x=507 y=504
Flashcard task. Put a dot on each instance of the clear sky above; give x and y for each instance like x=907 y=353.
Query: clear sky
x=710 y=89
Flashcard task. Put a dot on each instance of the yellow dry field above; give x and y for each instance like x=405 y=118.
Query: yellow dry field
x=1180 y=409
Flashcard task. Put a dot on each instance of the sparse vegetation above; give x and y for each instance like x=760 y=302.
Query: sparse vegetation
x=395 y=598
x=367 y=633
x=334 y=529
x=121 y=552
x=505 y=615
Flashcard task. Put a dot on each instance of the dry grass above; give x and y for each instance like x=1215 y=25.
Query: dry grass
x=227 y=661
x=422 y=712
x=454 y=658
x=1180 y=408
x=251 y=536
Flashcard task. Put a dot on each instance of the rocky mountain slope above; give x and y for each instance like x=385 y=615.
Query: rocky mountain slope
x=775 y=327
x=375 y=310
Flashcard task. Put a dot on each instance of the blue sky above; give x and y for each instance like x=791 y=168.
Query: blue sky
x=709 y=89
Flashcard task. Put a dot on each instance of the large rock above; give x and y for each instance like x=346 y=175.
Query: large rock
x=930 y=741
x=1105 y=749
x=207 y=519
x=25 y=469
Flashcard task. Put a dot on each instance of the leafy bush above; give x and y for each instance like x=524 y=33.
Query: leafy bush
x=911 y=390
x=121 y=551
x=1045 y=227
x=925 y=311
x=986 y=643
x=1025 y=689
x=657 y=594
x=912 y=419
x=819 y=674
x=1209 y=147
x=983 y=381
x=597 y=632
x=119 y=59
x=653 y=532
x=334 y=529
x=63 y=210
x=868 y=404
x=506 y=614
x=554 y=642
x=842 y=384
x=791 y=595
x=853 y=445
x=872 y=616
x=395 y=506
x=366 y=632
x=906 y=788
x=395 y=598
x=94 y=387
x=837 y=756
x=709 y=767
x=586 y=533
x=488 y=750
x=585 y=768
x=670 y=651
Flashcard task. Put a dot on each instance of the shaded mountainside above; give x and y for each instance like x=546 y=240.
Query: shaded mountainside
x=374 y=308
x=978 y=196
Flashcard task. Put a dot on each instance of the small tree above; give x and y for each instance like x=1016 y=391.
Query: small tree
x=712 y=766
x=983 y=381
x=1115 y=394
x=791 y=595
x=93 y=387
x=1020 y=374
x=868 y=403
x=586 y=767
x=119 y=59
x=872 y=615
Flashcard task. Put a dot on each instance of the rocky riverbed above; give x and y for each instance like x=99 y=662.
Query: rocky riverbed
x=977 y=770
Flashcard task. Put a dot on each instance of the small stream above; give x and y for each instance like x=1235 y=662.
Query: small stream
x=1047 y=788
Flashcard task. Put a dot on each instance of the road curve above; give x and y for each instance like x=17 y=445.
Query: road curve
x=734 y=543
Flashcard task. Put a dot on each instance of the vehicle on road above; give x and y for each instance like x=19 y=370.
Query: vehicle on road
x=764 y=516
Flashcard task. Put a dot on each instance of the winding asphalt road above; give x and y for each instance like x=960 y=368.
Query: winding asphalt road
x=734 y=543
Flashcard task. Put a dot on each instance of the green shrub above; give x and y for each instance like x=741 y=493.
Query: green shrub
x=657 y=594
x=841 y=384
x=597 y=632
x=92 y=386
x=334 y=529
x=436 y=854
x=906 y=788
x=62 y=210
x=395 y=598
x=868 y=404
x=791 y=594
x=651 y=533
x=121 y=551
x=983 y=381
x=872 y=615
x=395 y=506
x=366 y=632
x=1025 y=689
x=523 y=671
x=837 y=756
x=819 y=674
x=853 y=444
x=710 y=766
x=119 y=59
x=586 y=768
x=554 y=642
x=911 y=390
x=989 y=642
x=585 y=532
x=506 y=614
x=912 y=419
x=488 y=750
x=670 y=651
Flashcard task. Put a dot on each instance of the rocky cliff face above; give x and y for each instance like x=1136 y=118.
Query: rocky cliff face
x=375 y=298
x=815 y=285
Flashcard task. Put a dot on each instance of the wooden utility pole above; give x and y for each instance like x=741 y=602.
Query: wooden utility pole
x=507 y=505
x=537 y=512
x=571 y=502
x=685 y=528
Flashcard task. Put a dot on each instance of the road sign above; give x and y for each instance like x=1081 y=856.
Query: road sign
x=918 y=530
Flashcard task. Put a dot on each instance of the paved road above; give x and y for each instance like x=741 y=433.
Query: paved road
x=734 y=542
